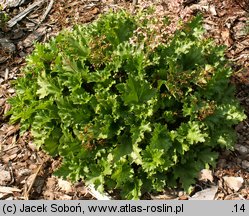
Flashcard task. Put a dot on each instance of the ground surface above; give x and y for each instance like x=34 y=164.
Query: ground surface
x=26 y=172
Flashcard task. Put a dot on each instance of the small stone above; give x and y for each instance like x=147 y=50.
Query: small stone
x=64 y=185
x=206 y=194
x=242 y=149
x=245 y=164
x=5 y=177
x=234 y=183
x=206 y=175
x=7 y=45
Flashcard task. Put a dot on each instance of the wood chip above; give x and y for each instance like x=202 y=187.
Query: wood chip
x=65 y=197
x=8 y=189
x=32 y=179
x=64 y=185
x=226 y=37
x=163 y=197
x=5 y=177
x=34 y=36
x=12 y=130
x=11 y=3
x=212 y=10
x=24 y=13
x=49 y=7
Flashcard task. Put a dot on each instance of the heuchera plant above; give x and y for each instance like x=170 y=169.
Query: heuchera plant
x=127 y=107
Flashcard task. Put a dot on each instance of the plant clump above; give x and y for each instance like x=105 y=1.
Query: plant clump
x=125 y=112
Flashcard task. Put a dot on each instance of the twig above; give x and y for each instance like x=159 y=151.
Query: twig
x=243 y=6
x=8 y=189
x=24 y=13
x=11 y=173
x=134 y=4
x=49 y=7
x=10 y=148
x=6 y=75
x=26 y=194
x=240 y=57
x=246 y=123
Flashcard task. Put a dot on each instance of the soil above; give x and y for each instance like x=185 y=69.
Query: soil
x=27 y=172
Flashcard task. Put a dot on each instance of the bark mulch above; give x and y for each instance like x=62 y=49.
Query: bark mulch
x=27 y=172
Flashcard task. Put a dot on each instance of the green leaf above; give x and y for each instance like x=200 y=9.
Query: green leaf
x=187 y=178
x=152 y=159
x=160 y=138
x=122 y=173
x=193 y=132
x=138 y=132
x=135 y=189
x=47 y=87
x=52 y=142
x=207 y=156
x=123 y=148
x=136 y=91
x=136 y=155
